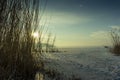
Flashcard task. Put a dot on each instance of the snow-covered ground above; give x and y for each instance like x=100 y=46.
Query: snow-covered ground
x=88 y=63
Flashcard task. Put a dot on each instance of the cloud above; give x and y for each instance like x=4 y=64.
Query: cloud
x=115 y=27
x=100 y=38
x=65 y=18
x=99 y=34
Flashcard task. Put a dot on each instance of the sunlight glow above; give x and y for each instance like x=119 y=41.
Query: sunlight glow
x=35 y=35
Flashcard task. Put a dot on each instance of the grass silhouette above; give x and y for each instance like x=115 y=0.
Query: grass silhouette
x=18 y=20
x=115 y=35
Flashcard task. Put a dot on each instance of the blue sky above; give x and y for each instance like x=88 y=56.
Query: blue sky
x=83 y=22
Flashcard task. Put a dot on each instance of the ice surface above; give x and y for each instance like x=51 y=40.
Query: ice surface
x=88 y=63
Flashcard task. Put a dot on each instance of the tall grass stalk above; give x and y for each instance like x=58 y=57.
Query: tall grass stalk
x=18 y=20
x=115 y=35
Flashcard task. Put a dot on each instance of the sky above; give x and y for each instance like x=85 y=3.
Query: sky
x=79 y=23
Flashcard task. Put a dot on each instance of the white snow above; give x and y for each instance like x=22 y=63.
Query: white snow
x=87 y=63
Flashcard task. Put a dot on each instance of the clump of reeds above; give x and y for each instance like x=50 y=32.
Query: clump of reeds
x=18 y=19
x=115 y=35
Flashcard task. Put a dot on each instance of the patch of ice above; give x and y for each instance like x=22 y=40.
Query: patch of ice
x=89 y=64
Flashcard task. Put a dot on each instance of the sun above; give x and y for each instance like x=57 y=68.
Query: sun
x=35 y=35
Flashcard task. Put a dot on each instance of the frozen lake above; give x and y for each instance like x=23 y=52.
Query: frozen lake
x=88 y=63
